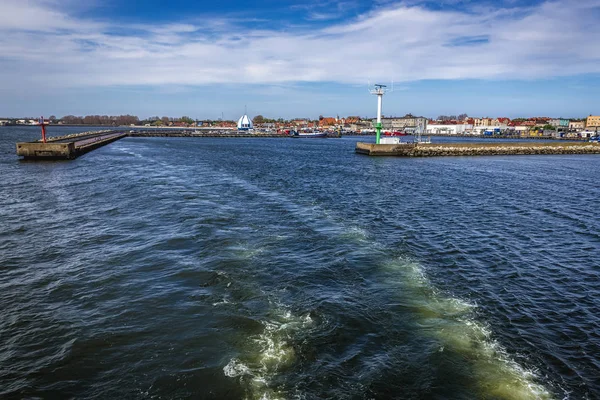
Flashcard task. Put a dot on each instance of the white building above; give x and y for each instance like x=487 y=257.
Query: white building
x=480 y=130
x=440 y=129
x=521 y=130
x=409 y=124
x=244 y=123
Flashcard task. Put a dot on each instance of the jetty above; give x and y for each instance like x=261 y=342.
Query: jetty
x=475 y=149
x=72 y=146
x=224 y=133
x=67 y=147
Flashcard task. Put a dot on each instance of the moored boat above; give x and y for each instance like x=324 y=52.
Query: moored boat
x=308 y=134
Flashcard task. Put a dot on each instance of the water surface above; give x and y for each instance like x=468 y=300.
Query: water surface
x=280 y=268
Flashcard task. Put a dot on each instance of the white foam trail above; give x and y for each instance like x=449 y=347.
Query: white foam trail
x=245 y=251
x=235 y=368
x=273 y=351
x=451 y=321
x=128 y=150
x=222 y=302
x=497 y=374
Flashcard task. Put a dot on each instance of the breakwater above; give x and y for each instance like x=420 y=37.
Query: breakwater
x=507 y=136
x=210 y=133
x=474 y=149
x=73 y=145
x=67 y=147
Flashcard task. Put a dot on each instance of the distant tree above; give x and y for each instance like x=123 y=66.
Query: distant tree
x=321 y=117
x=548 y=127
x=91 y=120
x=259 y=119
x=186 y=119
x=52 y=118
x=462 y=117
x=165 y=120
x=72 y=120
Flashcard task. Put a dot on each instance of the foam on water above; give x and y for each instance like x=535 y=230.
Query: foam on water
x=222 y=302
x=452 y=322
x=448 y=319
x=268 y=353
x=235 y=368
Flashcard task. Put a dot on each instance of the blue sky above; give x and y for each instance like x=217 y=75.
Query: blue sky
x=299 y=59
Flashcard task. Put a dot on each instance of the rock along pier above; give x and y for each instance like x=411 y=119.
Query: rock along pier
x=475 y=149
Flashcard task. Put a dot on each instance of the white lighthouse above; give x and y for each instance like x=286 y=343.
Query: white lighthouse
x=379 y=91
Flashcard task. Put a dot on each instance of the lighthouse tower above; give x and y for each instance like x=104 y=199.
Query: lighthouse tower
x=379 y=91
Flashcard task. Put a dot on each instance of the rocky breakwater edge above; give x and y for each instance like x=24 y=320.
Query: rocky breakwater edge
x=474 y=149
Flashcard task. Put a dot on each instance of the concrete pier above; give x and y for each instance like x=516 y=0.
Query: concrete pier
x=474 y=149
x=204 y=133
x=67 y=147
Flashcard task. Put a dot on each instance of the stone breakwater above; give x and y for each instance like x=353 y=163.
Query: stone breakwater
x=474 y=149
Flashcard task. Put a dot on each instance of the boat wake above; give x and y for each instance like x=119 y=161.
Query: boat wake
x=269 y=353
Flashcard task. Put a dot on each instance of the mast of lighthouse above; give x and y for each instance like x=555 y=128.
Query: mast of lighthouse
x=379 y=91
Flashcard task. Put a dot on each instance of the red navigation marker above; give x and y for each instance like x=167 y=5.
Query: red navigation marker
x=43 y=129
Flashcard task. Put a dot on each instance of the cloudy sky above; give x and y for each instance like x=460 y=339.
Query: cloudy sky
x=287 y=58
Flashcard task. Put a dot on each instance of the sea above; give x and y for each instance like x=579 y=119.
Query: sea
x=267 y=268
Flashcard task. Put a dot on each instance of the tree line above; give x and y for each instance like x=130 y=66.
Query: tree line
x=119 y=120
x=99 y=120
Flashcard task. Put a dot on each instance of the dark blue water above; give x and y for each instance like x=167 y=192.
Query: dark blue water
x=296 y=269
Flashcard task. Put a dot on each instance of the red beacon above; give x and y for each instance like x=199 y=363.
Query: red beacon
x=43 y=125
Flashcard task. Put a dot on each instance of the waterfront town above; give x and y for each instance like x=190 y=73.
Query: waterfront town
x=407 y=124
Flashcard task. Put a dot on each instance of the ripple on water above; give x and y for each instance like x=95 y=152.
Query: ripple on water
x=307 y=272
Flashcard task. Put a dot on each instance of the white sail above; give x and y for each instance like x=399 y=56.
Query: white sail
x=244 y=123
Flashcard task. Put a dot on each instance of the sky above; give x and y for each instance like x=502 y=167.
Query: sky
x=286 y=58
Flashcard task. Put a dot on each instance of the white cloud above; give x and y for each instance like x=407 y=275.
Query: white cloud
x=42 y=44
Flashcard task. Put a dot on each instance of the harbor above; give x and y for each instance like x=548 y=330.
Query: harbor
x=72 y=146
x=307 y=200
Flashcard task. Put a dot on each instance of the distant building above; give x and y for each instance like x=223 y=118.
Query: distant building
x=360 y=125
x=299 y=122
x=520 y=130
x=500 y=122
x=409 y=123
x=559 y=123
x=328 y=122
x=244 y=123
x=483 y=121
x=592 y=123
x=350 y=120
x=576 y=125
x=488 y=129
x=452 y=129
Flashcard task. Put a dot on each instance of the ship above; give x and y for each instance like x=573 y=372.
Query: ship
x=308 y=134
